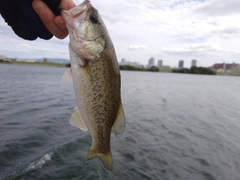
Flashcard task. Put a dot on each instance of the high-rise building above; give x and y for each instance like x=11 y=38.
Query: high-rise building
x=124 y=60
x=180 y=64
x=45 y=60
x=224 y=66
x=151 y=62
x=160 y=63
x=194 y=63
x=2 y=57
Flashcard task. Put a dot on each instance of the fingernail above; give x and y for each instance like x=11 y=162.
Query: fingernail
x=39 y=8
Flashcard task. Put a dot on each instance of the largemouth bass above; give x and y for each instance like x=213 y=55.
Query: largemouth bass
x=96 y=80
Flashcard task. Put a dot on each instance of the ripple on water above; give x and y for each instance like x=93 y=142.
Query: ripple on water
x=177 y=127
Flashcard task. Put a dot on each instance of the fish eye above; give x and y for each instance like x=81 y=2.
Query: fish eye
x=94 y=16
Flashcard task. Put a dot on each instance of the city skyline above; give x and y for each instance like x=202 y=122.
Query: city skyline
x=159 y=63
x=217 y=67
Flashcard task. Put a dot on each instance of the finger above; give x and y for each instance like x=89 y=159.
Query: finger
x=48 y=18
x=59 y=21
x=66 y=4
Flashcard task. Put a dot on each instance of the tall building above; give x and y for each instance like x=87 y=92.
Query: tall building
x=151 y=62
x=180 y=64
x=124 y=60
x=2 y=57
x=45 y=60
x=160 y=63
x=224 y=67
x=194 y=63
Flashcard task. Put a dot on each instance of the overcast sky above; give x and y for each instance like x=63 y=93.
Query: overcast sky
x=205 y=30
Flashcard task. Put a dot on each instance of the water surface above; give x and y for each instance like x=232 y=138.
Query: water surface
x=183 y=127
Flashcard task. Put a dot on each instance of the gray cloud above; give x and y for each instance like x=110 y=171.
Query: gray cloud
x=229 y=30
x=136 y=47
x=219 y=8
x=198 y=50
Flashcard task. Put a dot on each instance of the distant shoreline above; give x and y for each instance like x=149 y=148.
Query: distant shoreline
x=35 y=63
x=128 y=68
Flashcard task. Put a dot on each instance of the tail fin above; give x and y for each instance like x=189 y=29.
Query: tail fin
x=105 y=158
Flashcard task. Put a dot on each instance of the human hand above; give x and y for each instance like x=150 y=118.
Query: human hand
x=54 y=23
x=23 y=20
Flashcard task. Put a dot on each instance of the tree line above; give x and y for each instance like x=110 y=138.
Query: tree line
x=195 y=70
x=133 y=68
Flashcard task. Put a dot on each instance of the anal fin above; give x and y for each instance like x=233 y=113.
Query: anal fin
x=119 y=123
x=77 y=121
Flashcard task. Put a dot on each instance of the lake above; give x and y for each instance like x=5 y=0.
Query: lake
x=178 y=126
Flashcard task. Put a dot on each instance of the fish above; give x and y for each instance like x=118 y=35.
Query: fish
x=96 y=80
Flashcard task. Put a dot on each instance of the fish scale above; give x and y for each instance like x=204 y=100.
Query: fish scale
x=96 y=80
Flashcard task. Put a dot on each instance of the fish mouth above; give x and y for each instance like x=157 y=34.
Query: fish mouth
x=78 y=11
x=83 y=7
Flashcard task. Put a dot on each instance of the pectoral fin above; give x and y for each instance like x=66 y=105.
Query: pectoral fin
x=77 y=121
x=66 y=78
x=119 y=123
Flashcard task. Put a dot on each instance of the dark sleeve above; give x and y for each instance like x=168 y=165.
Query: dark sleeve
x=24 y=21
